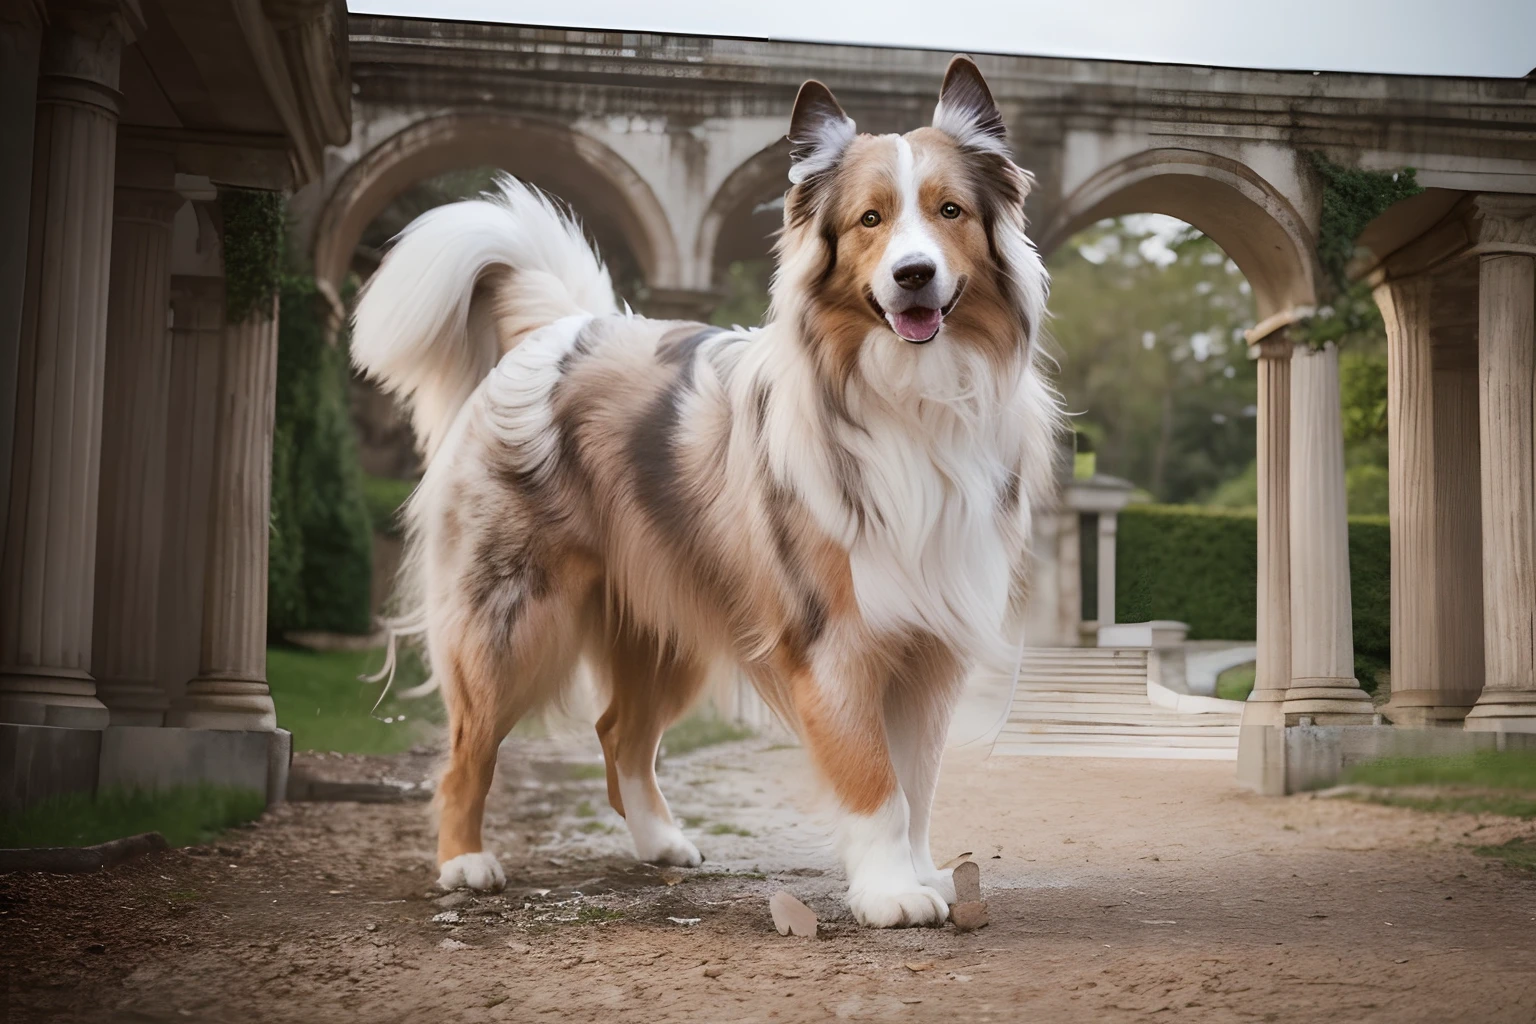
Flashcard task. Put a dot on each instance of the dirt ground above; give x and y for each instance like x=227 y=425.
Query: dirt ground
x=1119 y=890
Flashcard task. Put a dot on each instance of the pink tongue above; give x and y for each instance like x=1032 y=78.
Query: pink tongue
x=917 y=323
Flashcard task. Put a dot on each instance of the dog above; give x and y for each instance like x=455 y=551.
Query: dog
x=838 y=500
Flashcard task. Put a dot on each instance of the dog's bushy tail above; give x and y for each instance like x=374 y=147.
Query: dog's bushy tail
x=462 y=285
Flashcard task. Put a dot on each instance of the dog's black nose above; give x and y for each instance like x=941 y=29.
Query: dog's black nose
x=912 y=274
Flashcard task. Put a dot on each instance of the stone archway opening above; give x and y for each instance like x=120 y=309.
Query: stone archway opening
x=736 y=235
x=435 y=155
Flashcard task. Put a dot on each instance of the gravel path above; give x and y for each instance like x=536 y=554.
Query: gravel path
x=1119 y=891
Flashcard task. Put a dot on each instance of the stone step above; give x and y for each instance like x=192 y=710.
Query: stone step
x=1142 y=715
x=1037 y=689
x=1214 y=736
x=1012 y=748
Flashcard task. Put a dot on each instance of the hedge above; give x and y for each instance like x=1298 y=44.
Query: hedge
x=320 y=564
x=385 y=495
x=1200 y=565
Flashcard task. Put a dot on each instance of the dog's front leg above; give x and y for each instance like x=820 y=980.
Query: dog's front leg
x=843 y=724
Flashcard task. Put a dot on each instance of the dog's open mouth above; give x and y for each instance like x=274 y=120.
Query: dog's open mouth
x=920 y=324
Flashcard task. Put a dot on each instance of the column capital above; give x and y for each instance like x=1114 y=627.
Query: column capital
x=1503 y=223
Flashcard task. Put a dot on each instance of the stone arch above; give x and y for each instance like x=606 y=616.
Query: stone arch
x=594 y=179
x=725 y=226
x=1244 y=214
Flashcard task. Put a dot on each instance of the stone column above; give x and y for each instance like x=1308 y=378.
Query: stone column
x=1323 y=685
x=1261 y=735
x=1069 y=573
x=230 y=690
x=1108 y=527
x=1272 y=673
x=197 y=335
x=48 y=565
x=133 y=440
x=20 y=41
x=1507 y=388
x=1437 y=601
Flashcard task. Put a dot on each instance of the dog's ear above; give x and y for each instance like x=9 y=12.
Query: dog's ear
x=966 y=111
x=819 y=131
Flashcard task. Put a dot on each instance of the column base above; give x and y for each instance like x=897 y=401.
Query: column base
x=1426 y=708
x=1337 y=701
x=42 y=698
x=241 y=705
x=162 y=758
x=1261 y=743
x=133 y=703
x=1503 y=711
x=680 y=304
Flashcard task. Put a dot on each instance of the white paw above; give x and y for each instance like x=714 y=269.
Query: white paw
x=473 y=870
x=666 y=844
x=911 y=906
x=941 y=881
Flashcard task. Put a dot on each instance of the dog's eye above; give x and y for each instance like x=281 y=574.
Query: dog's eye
x=949 y=210
x=870 y=218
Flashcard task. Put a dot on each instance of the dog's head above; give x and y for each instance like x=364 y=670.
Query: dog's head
x=908 y=240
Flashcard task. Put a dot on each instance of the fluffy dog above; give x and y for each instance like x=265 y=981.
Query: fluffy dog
x=838 y=500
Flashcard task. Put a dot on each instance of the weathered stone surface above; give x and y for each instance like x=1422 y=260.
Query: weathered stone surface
x=790 y=916
x=967 y=882
x=969 y=916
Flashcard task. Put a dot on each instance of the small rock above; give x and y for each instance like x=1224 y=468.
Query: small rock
x=518 y=947
x=919 y=967
x=792 y=916
x=686 y=922
x=713 y=972
x=955 y=861
x=452 y=944
x=452 y=900
x=967 y=879
x=370 y=927
x=969 y=916
x=446 y=917
x=99 y=947
x=671 y=876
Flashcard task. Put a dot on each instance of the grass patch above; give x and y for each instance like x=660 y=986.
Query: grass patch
x=185 y=815
x=1487 y=769
x=721 y=828
x=585 y=810
x=1511 y=805
x=591 y=827
x=1236 y=683
x=699 y=730
x=385 y=496
x=597 y=915
x=321 y=700
x=1519 y=853
x=586 y=772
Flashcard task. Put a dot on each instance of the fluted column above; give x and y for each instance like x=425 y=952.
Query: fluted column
x=1507 y=389
x=230 y=690
x=1437 y=602
x=133 y=441
x=197 y=335
x=1272 y=674
x=48 y=565
x=1323 y=685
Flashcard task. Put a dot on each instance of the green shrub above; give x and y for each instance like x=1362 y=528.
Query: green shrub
x=321 y=559
x=185 y=815
x=1200 y=565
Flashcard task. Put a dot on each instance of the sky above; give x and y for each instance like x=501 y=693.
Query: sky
x=1481 y=38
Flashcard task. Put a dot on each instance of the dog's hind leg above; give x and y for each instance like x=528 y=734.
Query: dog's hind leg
x=499 y=658
x=651 y=687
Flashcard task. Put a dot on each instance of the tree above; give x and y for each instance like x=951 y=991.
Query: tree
x=1147 y=326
